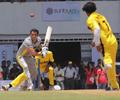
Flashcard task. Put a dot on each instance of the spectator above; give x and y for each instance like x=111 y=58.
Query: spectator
x=69 y=75
x=82 y=75
x=59 y=76
x=90 y=76
x=101 y=78
x=14 y=71
x=5 y=69
x=1 y=73
x=77 y=77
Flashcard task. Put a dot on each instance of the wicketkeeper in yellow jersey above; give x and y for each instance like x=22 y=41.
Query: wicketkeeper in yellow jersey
x=103 y=39
x=46 y=69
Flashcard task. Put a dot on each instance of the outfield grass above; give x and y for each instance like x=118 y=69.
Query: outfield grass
x=61 y=95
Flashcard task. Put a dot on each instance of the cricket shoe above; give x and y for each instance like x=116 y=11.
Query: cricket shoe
x=30 y=87
x=115 y=89
x=5 y=88
x=51 y=87
x=108 y=89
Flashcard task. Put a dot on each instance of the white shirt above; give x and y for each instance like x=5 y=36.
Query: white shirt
x=57 y=73
x=69 y=72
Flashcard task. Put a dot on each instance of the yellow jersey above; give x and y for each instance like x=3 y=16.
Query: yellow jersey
x=44 y=60
x=96 y=20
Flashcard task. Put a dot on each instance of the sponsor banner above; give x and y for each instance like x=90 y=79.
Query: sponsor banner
x=61 y=11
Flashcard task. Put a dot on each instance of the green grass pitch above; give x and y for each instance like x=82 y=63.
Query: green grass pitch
x=60 y=95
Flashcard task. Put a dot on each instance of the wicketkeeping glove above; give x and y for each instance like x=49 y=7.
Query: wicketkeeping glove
x=44 y=51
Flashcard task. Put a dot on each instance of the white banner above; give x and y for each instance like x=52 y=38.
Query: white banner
x=8 y=52
x=61 y=11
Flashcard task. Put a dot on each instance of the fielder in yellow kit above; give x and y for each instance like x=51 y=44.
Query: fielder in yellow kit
x=46 y=67
x=103 y=39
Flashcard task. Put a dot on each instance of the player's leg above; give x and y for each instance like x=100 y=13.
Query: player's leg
x=51 y=76
x=45 y=82
x=22 y=77
x=16 y=82
x=24 y=65
x=109 y=60
x=112 y=71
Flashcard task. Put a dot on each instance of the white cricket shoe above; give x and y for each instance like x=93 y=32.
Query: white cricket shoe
x=30 y=87
x=5 y=88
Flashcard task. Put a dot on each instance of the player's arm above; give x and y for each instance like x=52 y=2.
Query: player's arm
x=28 y=46
x=96 y=37
x=49 y=64
x=94 y=26
x=36 y=50
x=31 y=51
x=51 y=60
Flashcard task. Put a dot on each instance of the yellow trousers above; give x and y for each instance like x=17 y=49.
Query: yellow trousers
x=22 y=77
x=50 y=74
x=110 y=58
x=17 y=81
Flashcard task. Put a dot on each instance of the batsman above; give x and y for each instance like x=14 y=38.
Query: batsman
x=26 y=58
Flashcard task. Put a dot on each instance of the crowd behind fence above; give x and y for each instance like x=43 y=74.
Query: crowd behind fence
x=69 y=76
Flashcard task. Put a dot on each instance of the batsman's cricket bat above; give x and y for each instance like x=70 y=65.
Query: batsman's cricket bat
x=48 y=36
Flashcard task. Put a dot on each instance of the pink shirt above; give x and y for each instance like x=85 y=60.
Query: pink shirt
x=102 y=76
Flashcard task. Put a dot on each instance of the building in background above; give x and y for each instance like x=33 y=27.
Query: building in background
x=70 y=38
